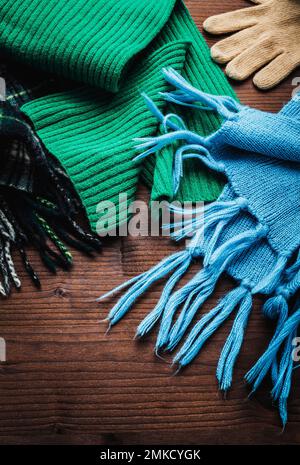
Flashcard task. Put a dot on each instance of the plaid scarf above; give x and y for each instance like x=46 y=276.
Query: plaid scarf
x=38 y=204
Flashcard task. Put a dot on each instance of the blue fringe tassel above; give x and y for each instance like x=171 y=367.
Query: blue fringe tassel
x=283 y=337
x=215 y=214
x=207 y=325
x=233 y=344
x=282 y=387
x=188 y=95
x=148 y=323
x=192 y=296
x=277 y=307
x=193 y=152
x=201 y=287
x=219 y=260
x=230 y=249
x=142 y=283
x=196 y=146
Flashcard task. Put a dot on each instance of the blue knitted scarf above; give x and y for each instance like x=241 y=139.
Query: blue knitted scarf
x=251 y=232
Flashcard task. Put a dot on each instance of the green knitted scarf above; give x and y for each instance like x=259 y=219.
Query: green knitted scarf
x=110 y=51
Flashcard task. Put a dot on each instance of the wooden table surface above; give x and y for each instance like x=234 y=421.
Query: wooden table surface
x=67 y=382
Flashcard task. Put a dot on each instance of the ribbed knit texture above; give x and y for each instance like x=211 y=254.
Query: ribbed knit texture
x=91 y=132
x=119 y=46
x=90 y=41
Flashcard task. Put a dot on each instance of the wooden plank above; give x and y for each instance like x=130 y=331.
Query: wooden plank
x=66 y=381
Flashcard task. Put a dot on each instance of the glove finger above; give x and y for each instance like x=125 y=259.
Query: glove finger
x=251 y=60
x=275 y=72
x=233 y=20
x=227 y=49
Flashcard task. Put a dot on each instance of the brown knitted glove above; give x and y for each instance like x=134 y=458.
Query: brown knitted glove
x=268 y=38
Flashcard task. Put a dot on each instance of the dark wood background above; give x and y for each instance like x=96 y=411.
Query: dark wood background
x=67 y=382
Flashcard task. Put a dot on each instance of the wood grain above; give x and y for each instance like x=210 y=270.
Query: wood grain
x=65 y=381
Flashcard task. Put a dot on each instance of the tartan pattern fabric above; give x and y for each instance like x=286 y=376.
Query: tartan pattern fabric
x=34 y=190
